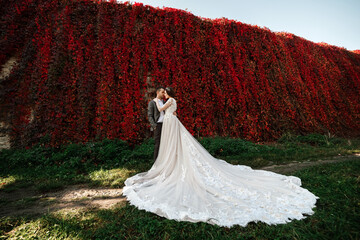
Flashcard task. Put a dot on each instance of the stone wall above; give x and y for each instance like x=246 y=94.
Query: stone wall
x=4 y=137
x=4 y=126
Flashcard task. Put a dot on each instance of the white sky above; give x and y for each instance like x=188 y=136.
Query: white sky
x=336 y=22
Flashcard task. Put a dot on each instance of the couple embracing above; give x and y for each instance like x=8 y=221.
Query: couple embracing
x=156 y=117
x=186 y=183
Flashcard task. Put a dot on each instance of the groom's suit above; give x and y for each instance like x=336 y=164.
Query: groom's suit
x=154 y=115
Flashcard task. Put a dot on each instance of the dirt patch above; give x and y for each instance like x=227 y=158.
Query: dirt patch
x=29 y=202
x=294 y=166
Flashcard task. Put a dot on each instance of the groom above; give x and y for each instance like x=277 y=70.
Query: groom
x=156 y=118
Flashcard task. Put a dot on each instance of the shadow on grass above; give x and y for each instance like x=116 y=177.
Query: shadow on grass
x=53 y=178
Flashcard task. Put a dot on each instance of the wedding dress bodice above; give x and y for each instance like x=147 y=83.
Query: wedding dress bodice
x=170 y=110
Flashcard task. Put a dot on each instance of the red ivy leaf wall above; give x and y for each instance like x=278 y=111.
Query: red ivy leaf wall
x=85 y=68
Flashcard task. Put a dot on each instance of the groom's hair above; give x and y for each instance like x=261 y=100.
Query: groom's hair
x=158 y=88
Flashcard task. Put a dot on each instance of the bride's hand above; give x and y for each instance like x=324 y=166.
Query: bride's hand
x=175 y=113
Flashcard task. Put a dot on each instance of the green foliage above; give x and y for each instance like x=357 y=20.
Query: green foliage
x=313 y=139
x=223 y=146
x=143 y=151
x=116 y=152
x=72 y=155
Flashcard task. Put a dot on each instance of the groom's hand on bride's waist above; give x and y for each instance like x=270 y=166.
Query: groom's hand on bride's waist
x=175 y=113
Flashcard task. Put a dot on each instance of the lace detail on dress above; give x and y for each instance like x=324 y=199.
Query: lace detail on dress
x=170 y=110
x=228 y=191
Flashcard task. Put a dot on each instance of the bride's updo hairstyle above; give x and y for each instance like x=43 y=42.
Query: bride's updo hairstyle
x=170 y=91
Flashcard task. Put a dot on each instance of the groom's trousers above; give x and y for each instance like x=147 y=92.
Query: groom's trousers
x=157 y=136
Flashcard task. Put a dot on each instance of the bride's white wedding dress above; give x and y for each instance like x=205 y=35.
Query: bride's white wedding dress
x=186 y=183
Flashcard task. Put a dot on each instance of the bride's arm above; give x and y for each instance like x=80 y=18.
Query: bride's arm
x=167 y=104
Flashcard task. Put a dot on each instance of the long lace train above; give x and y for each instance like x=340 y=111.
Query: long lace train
x=186 y=183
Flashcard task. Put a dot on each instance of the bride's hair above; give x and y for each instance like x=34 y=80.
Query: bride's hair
x=170 y=91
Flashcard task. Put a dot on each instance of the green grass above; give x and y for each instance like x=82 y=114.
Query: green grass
x=110 y=162
x=49 y=185
x=336 y=216
x=52 y=168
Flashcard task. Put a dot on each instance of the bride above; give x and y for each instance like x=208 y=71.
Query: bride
x=186 y=183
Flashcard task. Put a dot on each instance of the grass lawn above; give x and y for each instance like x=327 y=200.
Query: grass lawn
x=337 y=212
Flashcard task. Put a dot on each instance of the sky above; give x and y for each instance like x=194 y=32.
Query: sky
x=336 y=22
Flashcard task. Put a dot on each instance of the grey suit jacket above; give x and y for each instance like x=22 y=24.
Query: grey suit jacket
x=153 y=114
